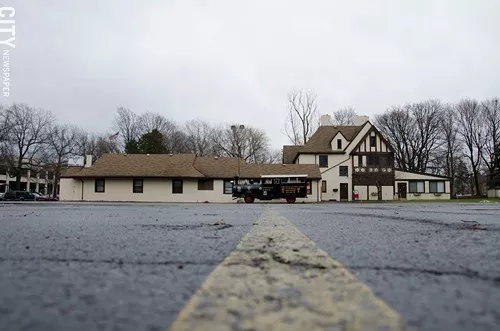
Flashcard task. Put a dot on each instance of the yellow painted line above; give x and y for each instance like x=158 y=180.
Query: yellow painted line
x=277 y=279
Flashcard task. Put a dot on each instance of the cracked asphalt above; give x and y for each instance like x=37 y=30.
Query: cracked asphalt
x=134 y=267
x=437 y=264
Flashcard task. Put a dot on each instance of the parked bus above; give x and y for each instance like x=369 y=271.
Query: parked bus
x=268 y=187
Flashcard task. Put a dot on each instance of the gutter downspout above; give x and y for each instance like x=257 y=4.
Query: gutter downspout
x=317 y=191
x=81 y=179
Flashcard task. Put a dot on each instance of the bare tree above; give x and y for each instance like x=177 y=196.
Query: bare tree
x=491 y=116
x=3 y=123
x=27 y=133
x=149 y=121
x=273 y=155
x=199 y=137
x=96 y=145
x=61 y=143
x=176 y=141
x=250 y=144
x=427 y=117
x=302 y=116
x=344 y=116
x=472 y=131
x=126 y=122
x=450 y=146
x=397 y=125
x=414 y=132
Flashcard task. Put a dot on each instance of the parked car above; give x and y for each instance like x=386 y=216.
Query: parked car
x=19 y=196
x=40 y=197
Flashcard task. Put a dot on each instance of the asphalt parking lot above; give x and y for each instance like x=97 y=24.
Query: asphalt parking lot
x=133 y=267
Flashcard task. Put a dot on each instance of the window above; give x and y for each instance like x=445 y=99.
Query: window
x=177 y=186
x=138 y=186
x=323 y=161
x=373 y=141
x=436 y=187
x=344 y=171
x=373 y=160
x=339 y=143
x=360 y=160
x=417 y=187
x=228 y=187
x=309 y=187
x=384 y=161
x=323 y=186
x=99 y=185
x=205 y=184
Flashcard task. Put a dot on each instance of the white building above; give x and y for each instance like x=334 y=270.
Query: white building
x=357 y=161
x=171 y=178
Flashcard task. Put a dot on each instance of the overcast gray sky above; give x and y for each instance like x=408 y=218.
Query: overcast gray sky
x=235 y=61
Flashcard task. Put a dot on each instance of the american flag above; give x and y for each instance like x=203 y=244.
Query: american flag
x=114 y=136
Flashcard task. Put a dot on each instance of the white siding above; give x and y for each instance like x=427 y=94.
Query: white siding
x=407 y=177
x=307 y=159
x=70 y=189
x=494 y=193
x=154 y=190
x=334 y=142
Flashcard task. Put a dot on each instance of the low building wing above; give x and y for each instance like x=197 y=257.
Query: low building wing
x=183 y=166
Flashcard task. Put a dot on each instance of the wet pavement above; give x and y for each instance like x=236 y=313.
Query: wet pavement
x=133 y=267
x=109 y=267
x=436 y=264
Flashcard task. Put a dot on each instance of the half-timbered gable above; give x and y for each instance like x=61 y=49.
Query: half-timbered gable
x=373 y=160
x=354 y=160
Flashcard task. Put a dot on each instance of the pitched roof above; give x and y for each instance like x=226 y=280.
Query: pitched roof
x=290 y=152
x=140 y=165
x=184 y=166
x=320 y=142
x=218 y=167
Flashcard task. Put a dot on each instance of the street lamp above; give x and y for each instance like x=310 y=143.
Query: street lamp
x=235 y=128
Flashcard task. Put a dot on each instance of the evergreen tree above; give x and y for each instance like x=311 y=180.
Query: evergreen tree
x=152 y=143
x=131 y=147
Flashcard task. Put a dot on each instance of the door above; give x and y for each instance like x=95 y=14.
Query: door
x=401 y=190
x=344 y=192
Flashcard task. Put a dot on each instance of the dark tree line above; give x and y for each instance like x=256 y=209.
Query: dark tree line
x=456 y=140
x=461 y=140
x=31 y=139
x=154 y=133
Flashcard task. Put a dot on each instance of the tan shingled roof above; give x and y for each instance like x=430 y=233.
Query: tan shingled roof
x=320 y=142
x=140 y=165
x=290 y=152
x=218 y=167
x=185 y=166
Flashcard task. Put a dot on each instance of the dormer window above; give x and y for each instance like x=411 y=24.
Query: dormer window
x=339 y=143
x=373 y=141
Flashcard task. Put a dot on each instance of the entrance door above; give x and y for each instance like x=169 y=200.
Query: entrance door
x=344 y=192
x=402 y=190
